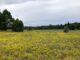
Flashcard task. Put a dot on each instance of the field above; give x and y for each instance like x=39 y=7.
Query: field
x=40 y=45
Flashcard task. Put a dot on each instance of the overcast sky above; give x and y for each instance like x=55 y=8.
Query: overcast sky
x=43 y=12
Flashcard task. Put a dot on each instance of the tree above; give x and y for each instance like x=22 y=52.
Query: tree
x=7 y=14
x=66 y=29
x=3 y=22
x=21 y=26
x=5 y=17
x=0 y=19
x=17 y=26
x=8 y=22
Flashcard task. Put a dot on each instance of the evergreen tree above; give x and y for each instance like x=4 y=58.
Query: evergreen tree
x=0 y=19
x=21 y=26
x=17 y=26
x=5 y=16
x=8 y=22
x=3 y=22
x=66 y=29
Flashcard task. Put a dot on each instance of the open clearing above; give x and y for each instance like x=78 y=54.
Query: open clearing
x=40 y=45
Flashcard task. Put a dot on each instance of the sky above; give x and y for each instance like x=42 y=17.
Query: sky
x=43 y=12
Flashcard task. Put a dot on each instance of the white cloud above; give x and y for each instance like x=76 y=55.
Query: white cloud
x=41 y=12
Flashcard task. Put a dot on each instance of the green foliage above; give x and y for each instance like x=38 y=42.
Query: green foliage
x=66 y=29
x=71 y=26
x=4 y=17
x=7 y=14
x=8 y=22
x=17 y=26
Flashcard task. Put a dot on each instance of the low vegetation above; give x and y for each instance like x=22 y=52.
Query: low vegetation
x=40 y=45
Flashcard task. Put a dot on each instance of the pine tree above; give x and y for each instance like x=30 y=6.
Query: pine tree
x=17 y=26
x=21 y=26
x=8 y=22
x=66 y=29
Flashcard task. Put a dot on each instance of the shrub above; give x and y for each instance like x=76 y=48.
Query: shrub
x=66 y=29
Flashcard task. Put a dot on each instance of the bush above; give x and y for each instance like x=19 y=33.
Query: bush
x=66 y=29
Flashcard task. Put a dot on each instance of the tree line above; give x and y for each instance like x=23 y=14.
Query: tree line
x=8 y=22
x=70 y=26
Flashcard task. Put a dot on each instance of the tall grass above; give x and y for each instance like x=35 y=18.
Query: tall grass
x=40 y=45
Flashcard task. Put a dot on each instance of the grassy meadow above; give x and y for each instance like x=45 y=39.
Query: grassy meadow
x=40 y=45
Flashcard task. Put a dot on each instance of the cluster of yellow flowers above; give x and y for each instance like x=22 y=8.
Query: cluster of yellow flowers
x=40 y=45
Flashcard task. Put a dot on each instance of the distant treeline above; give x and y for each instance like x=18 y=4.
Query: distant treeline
x=71 y=26
x=8 y=22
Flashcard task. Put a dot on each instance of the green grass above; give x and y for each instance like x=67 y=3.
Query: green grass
x=40 y=45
